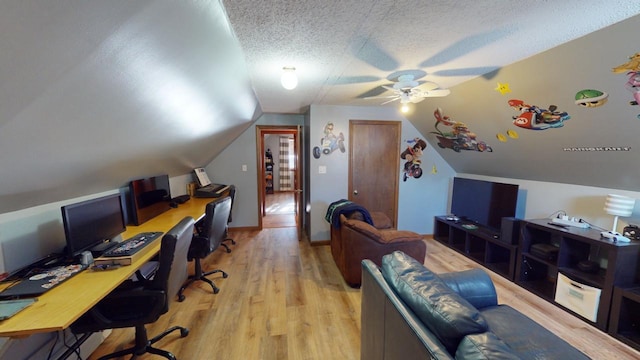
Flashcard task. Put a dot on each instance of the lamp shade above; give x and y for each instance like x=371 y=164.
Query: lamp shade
x=619 y=205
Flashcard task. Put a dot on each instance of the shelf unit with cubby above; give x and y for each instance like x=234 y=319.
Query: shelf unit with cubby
x=478 y=243
x=617 y=263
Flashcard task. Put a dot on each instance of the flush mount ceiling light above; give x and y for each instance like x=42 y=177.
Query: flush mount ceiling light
x=289 y=80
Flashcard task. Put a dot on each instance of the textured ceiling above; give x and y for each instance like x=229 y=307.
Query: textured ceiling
x=344 y=50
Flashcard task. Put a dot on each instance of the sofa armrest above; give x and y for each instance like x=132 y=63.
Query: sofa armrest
x=389 y=328
x=474 y=285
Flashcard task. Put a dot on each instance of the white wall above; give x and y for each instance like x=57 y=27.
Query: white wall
x=543 y=199
x=419 y=199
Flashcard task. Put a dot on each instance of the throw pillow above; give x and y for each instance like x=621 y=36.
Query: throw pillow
x=448 y=315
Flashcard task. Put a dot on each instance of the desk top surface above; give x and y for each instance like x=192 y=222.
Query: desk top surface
x=59 y=307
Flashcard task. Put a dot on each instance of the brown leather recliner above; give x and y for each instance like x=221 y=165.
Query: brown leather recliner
x=356 y=240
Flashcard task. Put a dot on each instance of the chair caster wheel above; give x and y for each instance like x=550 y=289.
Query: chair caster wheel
x=228 y=250
x=184 y=332
x=225 y=275
x=216 y=290
x=181 y=298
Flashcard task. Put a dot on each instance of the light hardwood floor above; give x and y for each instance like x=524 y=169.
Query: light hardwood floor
x=285 y=299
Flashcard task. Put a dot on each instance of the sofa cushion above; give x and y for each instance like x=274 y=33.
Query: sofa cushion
x=392 y=236
x=448 y=315
x=363 y=228
x=380 y=219
x=525 y=337
x=484 y=346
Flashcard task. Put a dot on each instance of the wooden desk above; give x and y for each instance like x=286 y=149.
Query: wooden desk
x=59 y=307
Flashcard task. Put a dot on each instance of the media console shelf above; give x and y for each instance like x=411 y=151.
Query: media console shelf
x=479 y=244
x=618 y=264
x=625 y=315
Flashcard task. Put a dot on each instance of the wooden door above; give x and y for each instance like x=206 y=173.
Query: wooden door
x=374 y=165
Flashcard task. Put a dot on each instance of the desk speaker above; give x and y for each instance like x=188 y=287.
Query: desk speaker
x=510 y=230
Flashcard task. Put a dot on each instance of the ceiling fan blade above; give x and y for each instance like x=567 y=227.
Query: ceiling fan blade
x=392 y=100
x=381 y=97
x=390 y=88
x=427 y=86
x=367 y=50
x=345 y=80
x=416 y=100
x=437 y=93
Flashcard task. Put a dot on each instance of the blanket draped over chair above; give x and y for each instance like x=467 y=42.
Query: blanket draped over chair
x=345 y=207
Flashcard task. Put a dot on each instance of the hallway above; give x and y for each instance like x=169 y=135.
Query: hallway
x=279 y=210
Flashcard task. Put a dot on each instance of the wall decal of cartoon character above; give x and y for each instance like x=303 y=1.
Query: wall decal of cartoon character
x=591 y=98
x=412 y=155
x=632 y=68
x=536 y=118
x=330 y=142
x=459 y=138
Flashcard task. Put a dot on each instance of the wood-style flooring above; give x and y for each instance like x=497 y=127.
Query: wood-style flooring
x=285 y=299
x=279 y=210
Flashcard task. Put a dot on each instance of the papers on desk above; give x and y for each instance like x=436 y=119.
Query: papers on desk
x=8 y=308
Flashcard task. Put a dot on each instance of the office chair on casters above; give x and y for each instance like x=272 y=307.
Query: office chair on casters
x=136 y=303
x=207 y=240
x=232 y=195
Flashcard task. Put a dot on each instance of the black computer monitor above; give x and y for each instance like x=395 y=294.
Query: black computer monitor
x=90 y=224
x=149 y=198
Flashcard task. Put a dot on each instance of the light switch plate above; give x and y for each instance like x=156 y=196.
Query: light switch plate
x=322 y=169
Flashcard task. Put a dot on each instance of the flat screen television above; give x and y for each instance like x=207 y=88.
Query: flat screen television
x=149 y=197
x=91 y=224
x=483 y=202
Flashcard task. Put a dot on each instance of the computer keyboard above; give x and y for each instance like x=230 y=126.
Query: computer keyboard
x=132 y=245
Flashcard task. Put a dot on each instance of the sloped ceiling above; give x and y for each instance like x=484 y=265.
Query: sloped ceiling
x=343 y=51
x=96 y=93
x=594 y=145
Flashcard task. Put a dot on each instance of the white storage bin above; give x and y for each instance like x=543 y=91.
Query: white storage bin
x=579 y=298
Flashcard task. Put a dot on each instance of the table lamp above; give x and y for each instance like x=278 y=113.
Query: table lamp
x=617 y=205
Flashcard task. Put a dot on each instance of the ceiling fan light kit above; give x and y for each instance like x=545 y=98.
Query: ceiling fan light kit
x=408 y=90
x=289 y=79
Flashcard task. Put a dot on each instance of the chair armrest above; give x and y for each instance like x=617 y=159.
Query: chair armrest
x=474 y=285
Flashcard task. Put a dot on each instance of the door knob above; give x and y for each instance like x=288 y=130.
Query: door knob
x=355 y=192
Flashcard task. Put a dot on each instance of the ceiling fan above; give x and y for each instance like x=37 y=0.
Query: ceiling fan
x=408 y=90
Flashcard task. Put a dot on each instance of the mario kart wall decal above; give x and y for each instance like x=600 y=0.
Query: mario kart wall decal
x=535 y=118
x=459 y=138
x=632 y=68
x=411 y=155
x=329 y=143
x=591 y=98
x=503 y=88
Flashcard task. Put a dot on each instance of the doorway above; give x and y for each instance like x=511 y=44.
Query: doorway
x=279 y=176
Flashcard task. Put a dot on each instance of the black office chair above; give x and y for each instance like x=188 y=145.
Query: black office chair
x=232 y=195
x=140 y=302
x=207 y=240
